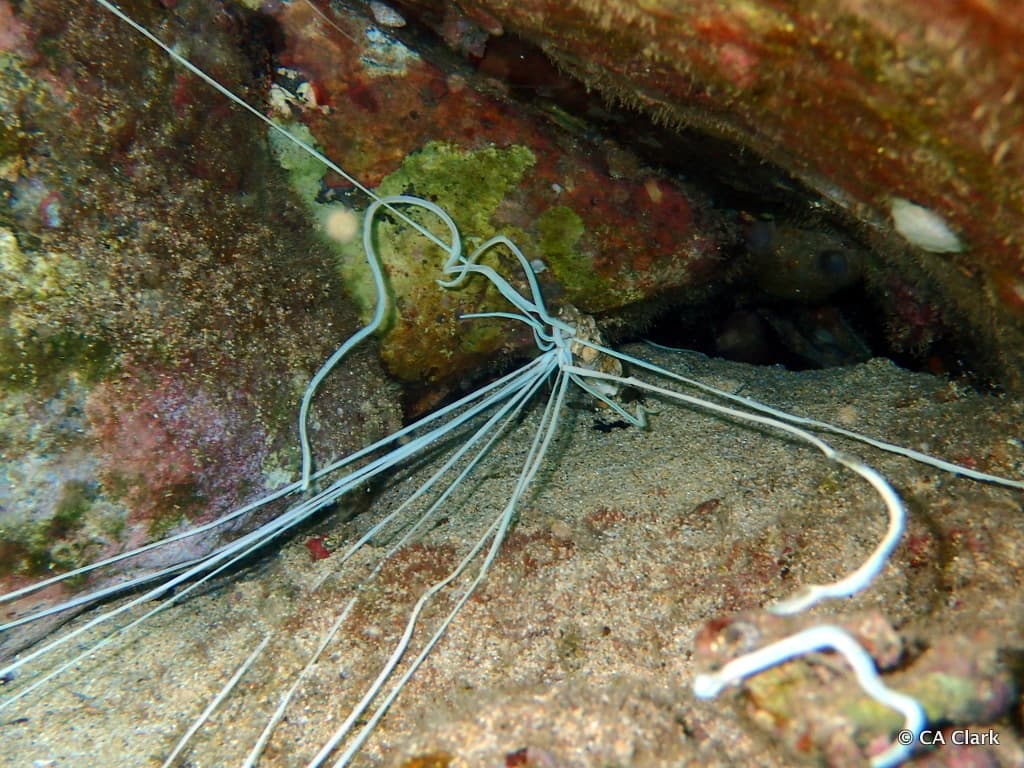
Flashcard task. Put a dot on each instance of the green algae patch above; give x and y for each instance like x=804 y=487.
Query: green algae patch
x=15 y=85
x=304 y=171
x=424 y=339
x=470 y=185
x=54 y=542
x=560 y=230
x=34 y=350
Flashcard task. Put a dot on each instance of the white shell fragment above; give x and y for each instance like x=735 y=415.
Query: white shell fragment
x=385 y=15
x=340 y=223
x=923 y=228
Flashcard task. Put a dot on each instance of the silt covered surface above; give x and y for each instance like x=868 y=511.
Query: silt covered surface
x=634 y=564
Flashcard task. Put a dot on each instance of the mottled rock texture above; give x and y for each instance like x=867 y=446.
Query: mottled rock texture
x=865 y=102
x=162 y=301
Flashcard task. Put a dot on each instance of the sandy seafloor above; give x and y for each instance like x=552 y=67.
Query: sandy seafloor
x=578 y=647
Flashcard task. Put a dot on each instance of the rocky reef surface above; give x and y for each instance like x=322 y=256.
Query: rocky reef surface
x=832 y=178
x=163 y=300
x=906 y=116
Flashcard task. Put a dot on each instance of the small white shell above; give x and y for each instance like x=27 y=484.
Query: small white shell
x=385 y=15
x=923 y=228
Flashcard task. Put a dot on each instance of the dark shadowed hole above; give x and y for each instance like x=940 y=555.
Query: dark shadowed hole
x=834 y=303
